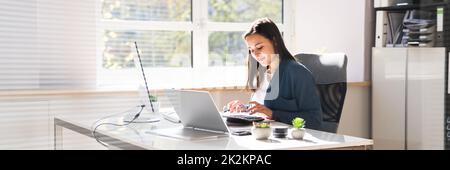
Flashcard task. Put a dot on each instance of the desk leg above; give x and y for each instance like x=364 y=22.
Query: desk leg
x=58 y=137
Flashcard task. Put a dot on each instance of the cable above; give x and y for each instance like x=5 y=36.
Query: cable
x=113 y=124
x=106 y=117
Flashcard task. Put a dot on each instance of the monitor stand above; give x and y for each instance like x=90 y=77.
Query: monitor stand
x=144 y=117
x=148 y=117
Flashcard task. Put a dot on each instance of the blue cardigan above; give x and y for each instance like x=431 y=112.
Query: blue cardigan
x=297 y=95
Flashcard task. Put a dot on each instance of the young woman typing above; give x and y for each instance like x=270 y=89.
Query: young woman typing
x=282 y=88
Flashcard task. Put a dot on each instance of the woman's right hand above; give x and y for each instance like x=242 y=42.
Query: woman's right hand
x=236 y=106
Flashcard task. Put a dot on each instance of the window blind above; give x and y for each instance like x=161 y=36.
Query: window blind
x=47 y=44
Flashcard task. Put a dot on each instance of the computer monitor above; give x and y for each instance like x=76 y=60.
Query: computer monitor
x=144 y=94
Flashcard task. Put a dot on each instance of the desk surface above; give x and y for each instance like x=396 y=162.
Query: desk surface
x=137 y=136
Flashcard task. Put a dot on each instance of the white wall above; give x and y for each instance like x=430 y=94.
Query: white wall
x=337 y=26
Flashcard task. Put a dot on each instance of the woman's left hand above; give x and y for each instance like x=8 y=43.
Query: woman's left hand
x=261 y=109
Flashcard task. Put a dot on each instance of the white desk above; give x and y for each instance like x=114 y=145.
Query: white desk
x=136 y=136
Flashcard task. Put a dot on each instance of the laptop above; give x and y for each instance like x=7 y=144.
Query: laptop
x=198 y=114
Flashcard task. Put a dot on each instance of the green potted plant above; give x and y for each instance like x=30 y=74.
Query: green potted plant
x=147 y=97
x=298 y=130
x=261 y=130
x=155 y=103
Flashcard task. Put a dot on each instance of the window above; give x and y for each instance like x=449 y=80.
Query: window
x=226 y=49
x=160 y=48
x=147 y=10
x=244 y=11
x=184 y=43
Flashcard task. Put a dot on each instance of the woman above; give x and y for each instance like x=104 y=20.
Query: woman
x=284 y=89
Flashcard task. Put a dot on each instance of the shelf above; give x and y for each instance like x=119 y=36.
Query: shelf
x=412 y=7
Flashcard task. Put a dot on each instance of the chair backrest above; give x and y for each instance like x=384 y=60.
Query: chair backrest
x=330 y=74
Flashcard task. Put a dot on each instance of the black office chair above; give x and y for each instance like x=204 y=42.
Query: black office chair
x=330 y=74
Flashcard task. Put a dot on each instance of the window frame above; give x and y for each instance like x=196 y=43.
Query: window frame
x=200 y=27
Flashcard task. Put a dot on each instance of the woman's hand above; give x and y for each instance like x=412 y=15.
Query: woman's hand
x=236 y=106
x=261 y=109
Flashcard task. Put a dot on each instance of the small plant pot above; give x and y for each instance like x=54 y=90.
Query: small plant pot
x=261 y=133
x=298 y=133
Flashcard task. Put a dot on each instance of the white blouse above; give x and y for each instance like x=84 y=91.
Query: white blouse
x=260 y=93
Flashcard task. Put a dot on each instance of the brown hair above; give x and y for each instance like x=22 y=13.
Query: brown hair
x=268 y=29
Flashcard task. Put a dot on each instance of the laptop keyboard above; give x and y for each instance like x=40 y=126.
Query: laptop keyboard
x=243 y=119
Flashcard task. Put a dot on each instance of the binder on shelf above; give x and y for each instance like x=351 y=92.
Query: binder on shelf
x=439 y=27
